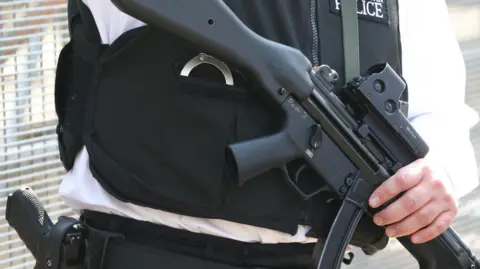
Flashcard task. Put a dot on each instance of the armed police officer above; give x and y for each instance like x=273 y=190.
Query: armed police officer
x=144 y=143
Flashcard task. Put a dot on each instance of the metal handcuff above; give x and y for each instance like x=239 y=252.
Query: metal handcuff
x=203 y=58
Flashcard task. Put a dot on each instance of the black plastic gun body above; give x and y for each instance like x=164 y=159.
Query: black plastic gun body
x=354 y=141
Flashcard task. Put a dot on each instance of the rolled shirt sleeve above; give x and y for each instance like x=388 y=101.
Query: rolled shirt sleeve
x=434 y=69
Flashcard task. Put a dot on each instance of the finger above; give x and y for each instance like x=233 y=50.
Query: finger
x=405 y=178
x=439 y=225
x=418 y=220
x=407 y=204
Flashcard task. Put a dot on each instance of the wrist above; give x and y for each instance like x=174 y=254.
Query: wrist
x=441 y=172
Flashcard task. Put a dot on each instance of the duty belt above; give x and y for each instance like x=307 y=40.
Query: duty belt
x=104 y=241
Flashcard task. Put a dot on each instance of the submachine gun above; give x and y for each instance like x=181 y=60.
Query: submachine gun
x=354 y=140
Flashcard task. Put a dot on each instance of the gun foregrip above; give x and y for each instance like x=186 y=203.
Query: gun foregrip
x=28 y=217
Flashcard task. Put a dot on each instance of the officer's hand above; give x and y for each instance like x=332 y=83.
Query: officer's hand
x=425 y=210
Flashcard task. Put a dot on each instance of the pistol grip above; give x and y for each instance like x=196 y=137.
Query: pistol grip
x=26 y=214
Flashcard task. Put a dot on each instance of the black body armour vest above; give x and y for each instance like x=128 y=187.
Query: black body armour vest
x=157 y=139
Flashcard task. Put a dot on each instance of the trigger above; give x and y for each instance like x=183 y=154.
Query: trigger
x=293 y=182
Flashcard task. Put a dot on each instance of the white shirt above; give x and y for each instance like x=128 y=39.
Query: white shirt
x=433 y=67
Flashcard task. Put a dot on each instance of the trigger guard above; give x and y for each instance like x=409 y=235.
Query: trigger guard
x=293 y=183
x=299 y=171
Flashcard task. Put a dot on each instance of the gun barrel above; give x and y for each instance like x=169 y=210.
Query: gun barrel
x=28 y=217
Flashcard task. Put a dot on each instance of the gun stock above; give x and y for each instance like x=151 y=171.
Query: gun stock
x=212 y=26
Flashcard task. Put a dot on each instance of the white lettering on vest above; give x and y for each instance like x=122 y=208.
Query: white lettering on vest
x=337 y=4
x=372 y=8
x=378 y=10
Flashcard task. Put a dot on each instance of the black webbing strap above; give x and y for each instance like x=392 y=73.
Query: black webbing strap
x=351 y=50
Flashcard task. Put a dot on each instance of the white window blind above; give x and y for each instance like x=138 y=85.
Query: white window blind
x=32 y=34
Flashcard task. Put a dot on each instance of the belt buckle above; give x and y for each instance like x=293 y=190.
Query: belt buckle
x=203 y=58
